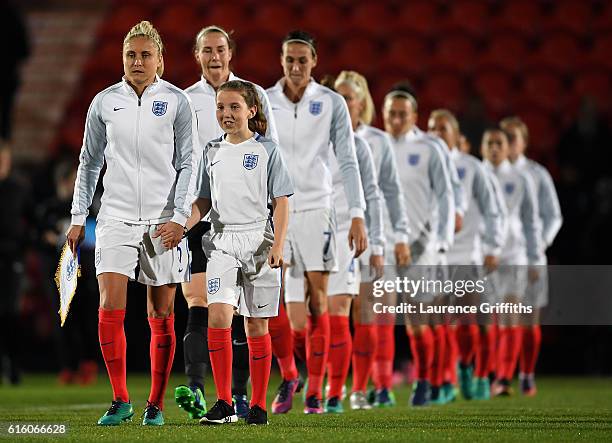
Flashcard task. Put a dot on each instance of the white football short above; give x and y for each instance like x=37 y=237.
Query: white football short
x=536 y=294
x=238 y=272
x=311 y=241
x=507 y=280
x=345 y=281
x=121 y=247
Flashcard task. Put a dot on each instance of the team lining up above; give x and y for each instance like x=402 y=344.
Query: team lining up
x=343 y=193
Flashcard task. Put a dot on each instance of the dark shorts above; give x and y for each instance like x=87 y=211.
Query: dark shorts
x=194 y=239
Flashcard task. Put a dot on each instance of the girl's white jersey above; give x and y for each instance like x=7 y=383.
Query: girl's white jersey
x=482 y=211
x=204 y=98
x=427 y=188
x=308 y=130
x=369 y=183
x=524 y=236
x=548 y=202
x=396 y=226
x=150 y=145
x=238 y=179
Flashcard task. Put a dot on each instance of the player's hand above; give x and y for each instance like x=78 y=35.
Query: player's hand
x=275 y=257
x=75 y=236
x=171 y=234
x=377 y=263
x=358 y=240
x=402 y=254
x=458 y=222
x=533 y=274
x=491 y=263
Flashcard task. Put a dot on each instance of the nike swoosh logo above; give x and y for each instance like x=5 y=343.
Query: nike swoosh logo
x=107 y=343
x=214 y=163
x=260 y=358
x=117 y=109
x=215 y=350
x=238 y=343
x=160 y=346
x=339 y=345
x=262 y=306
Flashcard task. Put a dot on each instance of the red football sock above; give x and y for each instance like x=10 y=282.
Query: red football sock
x=317 y=349
x=299 y=344
x=439 y=353
x=260 y=362
x=113 y=345
x=382 y=370
x=282 y=344
x=364 y=348
x=485 y=353
x=340 y=348
x=452 y=354
x=516 y=333
x=421 y=345
x=220 y=351
x=503 y=339
x=509 y=349
x=532 y=339
x=467 y=339
x=493 y=329
x=161 y=349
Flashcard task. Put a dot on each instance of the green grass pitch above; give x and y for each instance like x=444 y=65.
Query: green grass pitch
x=565 y=409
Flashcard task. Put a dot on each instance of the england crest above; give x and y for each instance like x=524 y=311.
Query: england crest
x=213 y=285
x=461 y=173
x=250 y=161
x=315 y=107
x=413 y=159
x=159 y=108
x=509 y=188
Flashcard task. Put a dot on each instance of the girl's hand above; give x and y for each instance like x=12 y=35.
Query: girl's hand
x=171 y=234
x=275 y=257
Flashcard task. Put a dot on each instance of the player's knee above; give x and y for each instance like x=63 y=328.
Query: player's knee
x=160 y=312
x=256 y=327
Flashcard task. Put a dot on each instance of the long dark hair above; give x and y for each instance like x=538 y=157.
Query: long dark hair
x=258 y=123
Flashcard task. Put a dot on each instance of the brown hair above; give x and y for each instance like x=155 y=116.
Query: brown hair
x=146 y=29
x=258 y=122
x=214 y=28
x=507 y=123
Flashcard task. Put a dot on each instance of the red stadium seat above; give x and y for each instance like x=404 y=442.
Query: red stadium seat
x=518 y=16
x=596 y=85
x=258 y=59
x=119 y=21
x=359 y=53
x=468 y=16
x=444 y=90
x=454 y=53
x=599 y=56
x=506 y=51
x=181 y=21
x=372 y=18
x=228 y=16
x=558 y=52
x=569 y=16
x=419 y=16
x=544 y=90
x=407 y=54
x=325 y=20
x=495 y=89
x=275 y=19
